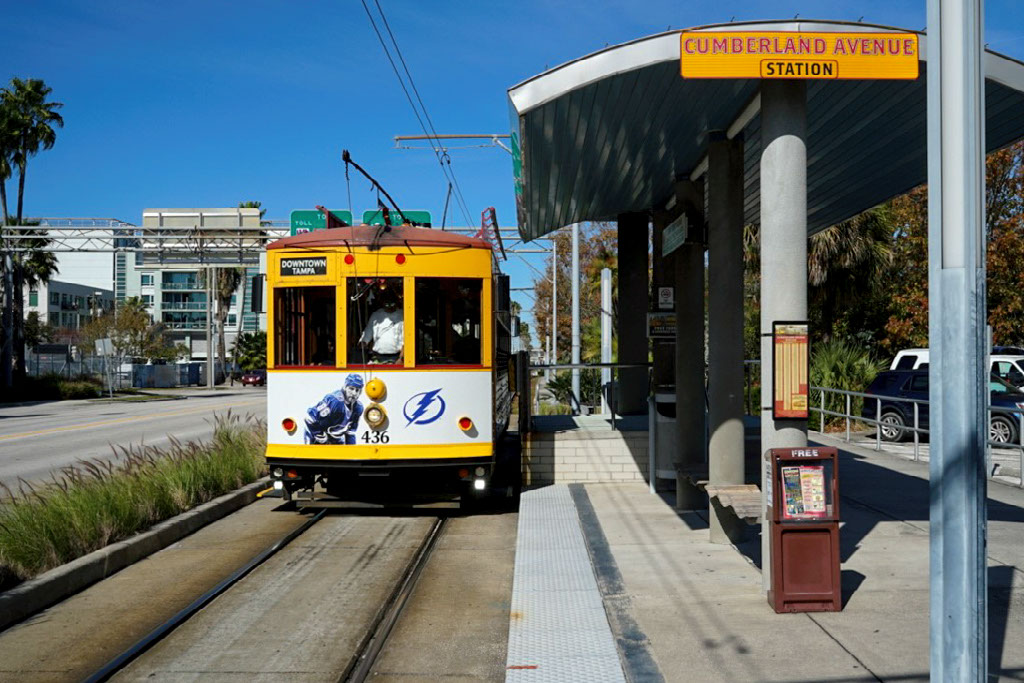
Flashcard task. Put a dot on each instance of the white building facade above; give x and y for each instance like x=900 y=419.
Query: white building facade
x=67 y=305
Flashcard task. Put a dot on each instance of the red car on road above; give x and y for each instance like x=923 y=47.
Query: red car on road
x=256 y=378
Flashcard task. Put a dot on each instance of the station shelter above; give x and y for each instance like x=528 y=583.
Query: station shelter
x=685 y=137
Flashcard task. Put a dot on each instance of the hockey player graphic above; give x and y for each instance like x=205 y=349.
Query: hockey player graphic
x=335 y=418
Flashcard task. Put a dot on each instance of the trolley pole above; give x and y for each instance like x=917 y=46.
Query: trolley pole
x=576 y=317
x=956 y=278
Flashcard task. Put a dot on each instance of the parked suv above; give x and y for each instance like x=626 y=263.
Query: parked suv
x=1006 y=365
x=897 y=415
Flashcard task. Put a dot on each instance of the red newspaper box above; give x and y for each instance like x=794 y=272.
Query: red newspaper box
x=804 y=530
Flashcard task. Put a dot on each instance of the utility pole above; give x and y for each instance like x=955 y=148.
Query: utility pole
x=211 y=275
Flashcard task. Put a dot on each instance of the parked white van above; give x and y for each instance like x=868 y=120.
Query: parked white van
x=1007 y=368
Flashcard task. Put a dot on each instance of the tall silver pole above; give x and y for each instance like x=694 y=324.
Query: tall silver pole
x=956 y=278
x=211 y=273
x=576 y=312
x=606 y=336
x=7 y=356
x=554 y=299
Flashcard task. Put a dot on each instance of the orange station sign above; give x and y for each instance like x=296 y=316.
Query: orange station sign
x=780 y=54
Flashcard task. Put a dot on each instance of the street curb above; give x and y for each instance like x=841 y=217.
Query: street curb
x=53 y=586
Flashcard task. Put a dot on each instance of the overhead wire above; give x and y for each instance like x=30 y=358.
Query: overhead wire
x=442 y=156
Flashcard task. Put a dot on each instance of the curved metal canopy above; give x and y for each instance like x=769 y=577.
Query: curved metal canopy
x=611 y=132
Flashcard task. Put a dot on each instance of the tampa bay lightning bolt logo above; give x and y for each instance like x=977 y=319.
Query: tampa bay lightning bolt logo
x=424 y=408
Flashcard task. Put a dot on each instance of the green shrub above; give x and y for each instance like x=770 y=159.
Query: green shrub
x=96 y=503
x=55 y=388
x=839 y=365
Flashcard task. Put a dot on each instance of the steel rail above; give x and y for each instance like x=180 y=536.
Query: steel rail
x=361 y=667
x=159 y=633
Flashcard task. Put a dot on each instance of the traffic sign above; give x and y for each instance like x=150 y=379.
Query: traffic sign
x=376 y=217
x=307 y=220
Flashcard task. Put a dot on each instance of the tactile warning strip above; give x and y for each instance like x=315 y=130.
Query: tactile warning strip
x=558 y=629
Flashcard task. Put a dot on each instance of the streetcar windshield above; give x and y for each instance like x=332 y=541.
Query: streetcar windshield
x=448 y=321
x=376 y=320
x=304 y=326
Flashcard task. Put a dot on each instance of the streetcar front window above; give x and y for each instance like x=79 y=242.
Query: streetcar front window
x=376 y=320
x=448 y=321
x=304 y=326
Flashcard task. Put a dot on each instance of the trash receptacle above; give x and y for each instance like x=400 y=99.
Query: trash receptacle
x=666 y=442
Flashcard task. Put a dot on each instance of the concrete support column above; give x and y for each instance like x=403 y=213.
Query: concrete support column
x=725 y=325
x=633 y=304
x=688 y=264
x=783 y=253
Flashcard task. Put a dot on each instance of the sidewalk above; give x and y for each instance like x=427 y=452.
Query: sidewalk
x=682 y=609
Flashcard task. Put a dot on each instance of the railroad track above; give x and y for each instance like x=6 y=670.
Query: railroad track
x=360 y=666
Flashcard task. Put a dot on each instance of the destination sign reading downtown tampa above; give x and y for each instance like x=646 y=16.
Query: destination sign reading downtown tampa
x=779 y=54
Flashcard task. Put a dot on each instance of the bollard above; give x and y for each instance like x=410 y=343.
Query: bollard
x=878 y=417
x=847 y=418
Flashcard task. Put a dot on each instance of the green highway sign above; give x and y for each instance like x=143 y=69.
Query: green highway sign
x=376 y=217
x=307 y=220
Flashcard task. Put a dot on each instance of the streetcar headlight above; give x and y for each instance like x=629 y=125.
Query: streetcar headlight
x=375 y=389
x=375 y=415
x=480 y=471
x=278 y=472
x=479 y=484
x=278 y=485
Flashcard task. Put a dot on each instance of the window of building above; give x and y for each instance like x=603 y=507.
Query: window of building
x=33 y=297
x=54 y=298
x=147 y=300
x=448 y=316
x=147 y=279
x=304 y=330
x=376 y=320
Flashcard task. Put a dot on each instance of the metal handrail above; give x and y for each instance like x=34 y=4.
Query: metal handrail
x=916 y=429
x=614 y=367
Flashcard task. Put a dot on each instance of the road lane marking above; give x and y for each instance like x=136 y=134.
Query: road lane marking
x=120 y=420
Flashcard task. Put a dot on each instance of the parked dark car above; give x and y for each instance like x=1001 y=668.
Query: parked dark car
x=257 y=378
x=913 y=384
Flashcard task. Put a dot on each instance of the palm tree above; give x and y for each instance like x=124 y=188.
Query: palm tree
x=848 y=261
x=251 y=350
x=26 y=127
x=225 y=286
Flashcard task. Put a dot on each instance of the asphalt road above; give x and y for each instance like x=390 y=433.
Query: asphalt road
x=38 y=438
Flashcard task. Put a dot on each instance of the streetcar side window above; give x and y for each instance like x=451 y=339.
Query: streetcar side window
x=304 y=326
x=376 y=320
x=448 y=321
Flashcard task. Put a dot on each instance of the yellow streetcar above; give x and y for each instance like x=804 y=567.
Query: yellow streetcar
x=389 y=370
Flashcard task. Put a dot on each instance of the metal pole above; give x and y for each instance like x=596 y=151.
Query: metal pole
x=917 y=437
x=606 y=337
x=956 y=269
x=8 y=319
x=554 y=301
x=878 y=427
x=822 y=392
x=652 y=425
x=576 y=313
x=210 y=274
x=847 y=418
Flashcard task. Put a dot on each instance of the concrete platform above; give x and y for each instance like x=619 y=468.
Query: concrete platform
x=681 y=609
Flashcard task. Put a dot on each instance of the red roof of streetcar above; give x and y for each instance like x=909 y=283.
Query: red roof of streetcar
x=372 y=235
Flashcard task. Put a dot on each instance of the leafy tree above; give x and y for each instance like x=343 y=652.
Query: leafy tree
x=251 y=350
x=36 y=331
x=132 y=334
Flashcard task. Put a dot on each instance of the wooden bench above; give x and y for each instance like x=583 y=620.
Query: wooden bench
x=744 y=499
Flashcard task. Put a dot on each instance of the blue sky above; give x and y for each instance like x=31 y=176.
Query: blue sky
x=199 y=103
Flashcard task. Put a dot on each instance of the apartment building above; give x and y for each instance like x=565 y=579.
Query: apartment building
x=172 y=286
x=67 y=304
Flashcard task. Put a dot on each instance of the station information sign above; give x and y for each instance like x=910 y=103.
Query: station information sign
x=781 y=54
x=790 y=370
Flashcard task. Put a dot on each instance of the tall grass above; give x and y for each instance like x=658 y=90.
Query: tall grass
x=95 y=503
x=839 y=365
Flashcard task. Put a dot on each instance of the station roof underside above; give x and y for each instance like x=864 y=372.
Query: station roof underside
x=611 y=132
